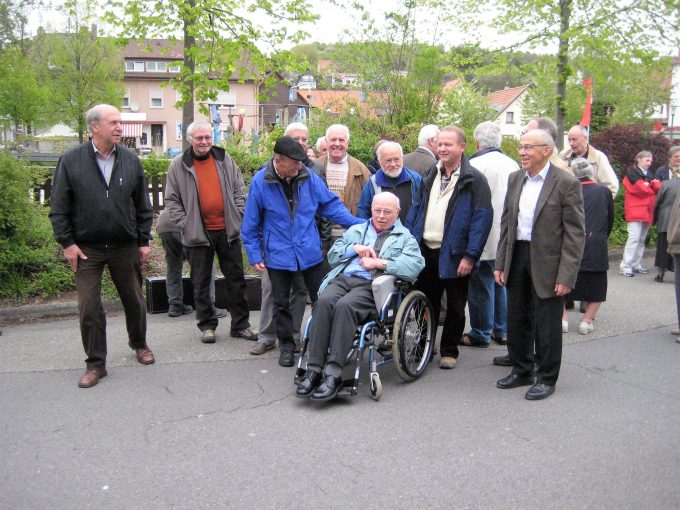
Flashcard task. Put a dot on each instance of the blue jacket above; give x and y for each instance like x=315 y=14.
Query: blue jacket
x=286 y=236
x=381 y=180
x=468 y=218
x=400 y=249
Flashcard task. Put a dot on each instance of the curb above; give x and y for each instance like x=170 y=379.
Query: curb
x=65 y=309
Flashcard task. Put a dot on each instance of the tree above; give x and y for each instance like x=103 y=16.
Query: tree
x=22 y=99
x=465 y=107
x=602 y=35
x=79 y=70
x=222 y=38
x=13 y=21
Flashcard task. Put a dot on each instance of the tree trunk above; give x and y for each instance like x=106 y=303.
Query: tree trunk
x=188 y=96
x=563 y=70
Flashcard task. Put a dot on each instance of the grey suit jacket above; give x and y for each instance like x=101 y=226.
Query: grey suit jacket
x=558 y=232
x=420 y=160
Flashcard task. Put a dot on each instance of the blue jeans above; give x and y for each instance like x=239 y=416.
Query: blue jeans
x=487 y=304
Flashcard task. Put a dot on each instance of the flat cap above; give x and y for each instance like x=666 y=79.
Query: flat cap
x=290 y=147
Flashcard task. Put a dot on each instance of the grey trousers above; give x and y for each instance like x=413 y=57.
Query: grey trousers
x=676 y=262
x=342 y=305
x=297 y=304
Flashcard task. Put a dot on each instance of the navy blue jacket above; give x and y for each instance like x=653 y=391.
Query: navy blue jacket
x=598 y=206
x=468 y=217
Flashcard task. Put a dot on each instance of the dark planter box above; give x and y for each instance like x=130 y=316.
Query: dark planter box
x=157 y=298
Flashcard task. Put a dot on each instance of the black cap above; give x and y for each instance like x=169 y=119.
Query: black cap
x=290 y=147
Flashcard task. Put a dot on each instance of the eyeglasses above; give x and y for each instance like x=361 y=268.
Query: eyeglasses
x=530 y=147
x=386 y=212
x=201 y=138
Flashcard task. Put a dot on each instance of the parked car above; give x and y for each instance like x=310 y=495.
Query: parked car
x=173 y=152
x=145 y=150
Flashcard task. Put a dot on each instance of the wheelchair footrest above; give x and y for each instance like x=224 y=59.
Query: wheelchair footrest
x=350 y=388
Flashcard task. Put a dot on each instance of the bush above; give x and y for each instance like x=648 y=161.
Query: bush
x=155 y=166
x=30 y=261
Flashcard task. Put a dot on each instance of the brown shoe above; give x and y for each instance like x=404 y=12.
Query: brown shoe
x=145 y=356
x=91 y=377
x=260 y=348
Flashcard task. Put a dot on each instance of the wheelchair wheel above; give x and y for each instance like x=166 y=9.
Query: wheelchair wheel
x=376 y=386
x=413 y=336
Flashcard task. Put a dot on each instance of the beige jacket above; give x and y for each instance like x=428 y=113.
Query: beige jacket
x=357 y=176
x=602 y=170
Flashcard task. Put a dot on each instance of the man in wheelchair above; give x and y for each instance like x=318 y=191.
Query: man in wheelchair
x=381 y=245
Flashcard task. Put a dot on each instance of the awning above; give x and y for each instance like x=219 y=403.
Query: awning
x=132 y=129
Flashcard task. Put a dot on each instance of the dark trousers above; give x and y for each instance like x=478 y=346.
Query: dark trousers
x=281 y=281
x=124 y=267
x=534 y=324
x=231 y=264
x=456 y=290
x=342 y=305
x=174 y=260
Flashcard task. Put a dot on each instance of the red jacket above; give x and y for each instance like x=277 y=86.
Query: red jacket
x=641 y=190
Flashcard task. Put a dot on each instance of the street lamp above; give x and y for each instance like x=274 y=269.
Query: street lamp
x=673 y=108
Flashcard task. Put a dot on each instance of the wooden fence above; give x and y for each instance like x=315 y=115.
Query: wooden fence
x=43 y=193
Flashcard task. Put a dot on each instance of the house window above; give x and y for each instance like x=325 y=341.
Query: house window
x=134 y=66
x=226 y=99
x=126 y=99
x=509 y=117
x=157 y=67
x=179 y=131
x=173 y=69
x=156 y=98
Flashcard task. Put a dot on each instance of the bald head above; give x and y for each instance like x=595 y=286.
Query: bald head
x=384 y=210
x=578 y=140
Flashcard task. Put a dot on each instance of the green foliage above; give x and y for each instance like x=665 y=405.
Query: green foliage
x=30 y=262
x=465 y=107
x=22 y=99
x=155 y=166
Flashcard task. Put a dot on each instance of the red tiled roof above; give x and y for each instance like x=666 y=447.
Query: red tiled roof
x=501 y=99
x=336 y=101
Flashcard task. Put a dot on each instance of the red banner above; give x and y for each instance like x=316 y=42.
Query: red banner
x=588 y=84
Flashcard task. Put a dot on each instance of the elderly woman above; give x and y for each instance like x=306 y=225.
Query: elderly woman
x=669 y=175
x=638 y=208
x=591 y=283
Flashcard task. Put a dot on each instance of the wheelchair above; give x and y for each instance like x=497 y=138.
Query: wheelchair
x=403 y=334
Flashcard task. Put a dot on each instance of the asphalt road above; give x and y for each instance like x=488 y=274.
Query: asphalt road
x=209 y=426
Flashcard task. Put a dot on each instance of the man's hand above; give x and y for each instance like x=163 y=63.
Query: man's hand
x=561 y=290
x=364 y=251
x=259 y=267
x=72 y=254
x=144 y=252
x=499 y=276
x=465 y=267
x=369 y=263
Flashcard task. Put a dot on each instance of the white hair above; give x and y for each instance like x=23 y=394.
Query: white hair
x=338 y=127
x=488 y=134
x=387 y=144
x=295 y=126
x=197 y=124
x=427 y=133
x=543 y=136
x=94 y=114
x=319 y=141
x=387 y=194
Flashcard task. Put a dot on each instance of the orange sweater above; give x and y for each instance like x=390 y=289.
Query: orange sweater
x=210 y=193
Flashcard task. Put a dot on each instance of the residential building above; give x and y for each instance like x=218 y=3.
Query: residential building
x=509 y=105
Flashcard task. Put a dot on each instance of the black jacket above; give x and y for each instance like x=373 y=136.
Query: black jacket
x=598 y=207
x=87 y=211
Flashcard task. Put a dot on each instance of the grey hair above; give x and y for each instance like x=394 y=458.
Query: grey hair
x=319 y=141
x=488 y=134
x=387 y=194
x=296 y=126
x=583 y=130
x=643 y=154
x=195 y=125
x=581 y=168
x=338 y=127
x=386 y=144
x=673 y=150
x=543 y=136
x=427 y=133
x=548 y=125
x=94 y=114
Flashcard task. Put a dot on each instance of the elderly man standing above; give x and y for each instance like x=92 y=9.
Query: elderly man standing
x=539 y=252
x=102 y=216
x=367 y=250
x=205 y=195
x=579 y=147
x=549 y=126
x=451 y=224
x=298 y=295
x=425 y=156
x=280 y=234
x=394 y=177
x=487 y=301
x=345 y=175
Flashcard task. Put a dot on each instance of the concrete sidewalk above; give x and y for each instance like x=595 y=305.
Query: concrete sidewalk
x=209 y=426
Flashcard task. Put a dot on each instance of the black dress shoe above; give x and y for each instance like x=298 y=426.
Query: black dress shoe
x=286 y=358
x=514 y=381
x=539 y=391
x=308 y=384
x=328 y=389
x=503 y=361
